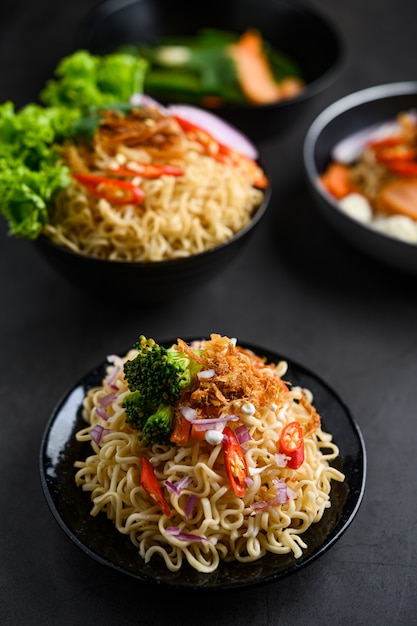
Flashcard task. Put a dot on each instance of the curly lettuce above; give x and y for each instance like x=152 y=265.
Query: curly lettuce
x=85 y=80
x=30 y=170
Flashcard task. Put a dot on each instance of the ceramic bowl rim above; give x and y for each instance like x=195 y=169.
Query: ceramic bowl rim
x=341 y=106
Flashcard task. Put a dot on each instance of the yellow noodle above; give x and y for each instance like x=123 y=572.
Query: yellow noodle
x=178 y=217
x=232 y=529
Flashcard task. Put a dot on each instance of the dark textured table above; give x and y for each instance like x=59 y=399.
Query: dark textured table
x=297 y=289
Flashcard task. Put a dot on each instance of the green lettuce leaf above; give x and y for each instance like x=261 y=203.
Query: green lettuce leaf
x=84 y=80
x=25 y=195
x=30 y=171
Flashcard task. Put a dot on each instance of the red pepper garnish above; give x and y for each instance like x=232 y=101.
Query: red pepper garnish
x=291 y=443
x=200 y=135
x=250 y=168
x=235 y=462
x=402 y=168
x=386 y=142
x=224 y=154
x=148 y=170
x=152 y=487
x=113 y=190
x=181 y=431
x=399 y=152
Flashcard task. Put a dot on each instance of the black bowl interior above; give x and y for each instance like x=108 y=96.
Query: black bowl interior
x=353 y=113
x=301 y=33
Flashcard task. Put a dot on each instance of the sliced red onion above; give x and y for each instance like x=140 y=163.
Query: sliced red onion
x=190 y=504
x=349 y=149
x=260 y=507
x=190 y=537
x=189 y=413
x=96 y=433
x=113 y=375
x=184 y=481
x=281 y=459
x=101 y=413
x=282 y=488
x=221 y=130
x=242 y=433
x=179 y=485
x=249 y=481
x=282 y=495
x=291 y=493
x=107 y=399
x=207 y=424
x=172 y=486
x=142 y=99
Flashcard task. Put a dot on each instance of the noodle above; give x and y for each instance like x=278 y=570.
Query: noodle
x=227 y=527
x=180 y=215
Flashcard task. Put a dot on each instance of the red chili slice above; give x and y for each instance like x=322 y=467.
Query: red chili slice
x=113 y=190
x=386 y=142
x=398 y=153
x=152 y=487
x=291 y=443
x=235 y=461
x=224 y=154
x=148 y=170
x=402 y=168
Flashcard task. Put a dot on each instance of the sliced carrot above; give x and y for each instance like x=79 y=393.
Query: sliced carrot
x=337 y=181
x=398 y=197
x=181 y=431
x=197 y=433
x=291 y=86
x=252 y=41
x=254 y=72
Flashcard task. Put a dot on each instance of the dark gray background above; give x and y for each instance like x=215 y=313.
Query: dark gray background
x=297 y=289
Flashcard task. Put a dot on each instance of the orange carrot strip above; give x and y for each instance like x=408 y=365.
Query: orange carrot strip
x=254 y=72
x=197 y=433
x=181 y=431
x=398 y=197
x=336 y=179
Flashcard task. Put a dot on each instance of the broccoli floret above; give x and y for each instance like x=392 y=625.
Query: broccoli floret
x=155 y=378
x=135 y=415
x=158 y=427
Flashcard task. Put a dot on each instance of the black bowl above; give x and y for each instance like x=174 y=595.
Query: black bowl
x=351 y=114
x=297 y=31
x=99 y=540
x=148 y=282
